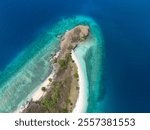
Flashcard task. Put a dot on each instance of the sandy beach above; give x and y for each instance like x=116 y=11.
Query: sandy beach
x=37 y=94
x=81 y=103
x=78 y=33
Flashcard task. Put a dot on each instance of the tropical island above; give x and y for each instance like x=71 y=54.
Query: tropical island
x=59 y=71
x=61 y=90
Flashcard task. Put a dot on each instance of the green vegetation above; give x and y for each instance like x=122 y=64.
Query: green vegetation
x=64 y=110
x=47 y=103
x=55 y=60
x=70 y=47
x=62 y=64
x=62 y=83
x=68 y=57
x=77 y=88
x=50 y=79
x=68 y=101
x=56 y=94
x=76 y=76
x=62 y=95
x=50 y=102
x=43 y=89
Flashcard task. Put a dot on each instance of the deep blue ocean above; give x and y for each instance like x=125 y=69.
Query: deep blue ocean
x=126 y=31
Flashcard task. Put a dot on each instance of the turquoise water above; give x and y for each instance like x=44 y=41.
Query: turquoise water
x=90 y=56
x=32 y=66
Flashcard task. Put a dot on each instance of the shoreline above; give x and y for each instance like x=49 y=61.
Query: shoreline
x=47 y=84
x=38 y=93
x=77 y=34
x=81 y=104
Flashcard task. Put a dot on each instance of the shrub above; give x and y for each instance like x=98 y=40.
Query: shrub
x=77 y=88
x=43 y=89
x=70 y=47
x=62 y=64
x=68 y=57
x=48 y=103
x=64 y=110
x=50 y=79
x=76 y=76
x=55 y=60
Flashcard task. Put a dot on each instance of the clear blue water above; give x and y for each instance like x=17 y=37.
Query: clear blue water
x=32 y=66
x=126 y=31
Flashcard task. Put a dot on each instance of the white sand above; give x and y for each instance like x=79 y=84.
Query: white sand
x=82 y=98
x=39 y=93
x=81 y=103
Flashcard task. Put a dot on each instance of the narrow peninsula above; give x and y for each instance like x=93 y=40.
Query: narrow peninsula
x=60 y=91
